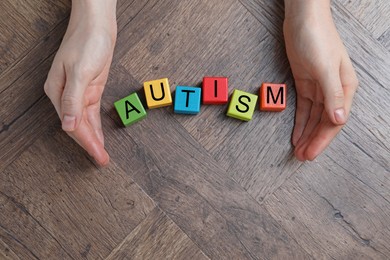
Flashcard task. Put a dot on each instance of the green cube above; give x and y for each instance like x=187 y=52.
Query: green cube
x=242 y=105
x=130 y=109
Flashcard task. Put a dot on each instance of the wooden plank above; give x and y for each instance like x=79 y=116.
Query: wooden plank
x=6 y=253
x=368 y=125
x=26 y=64
x=25 y=112
x=22 y=94
x=67 y=206
x=385 y=39
x=370 y=14
x=41 y=16
x=21 y=23
x=194 y=191
x=332 y=215
x=365 y=51
x=14 y=39
x=20 y=134
x=157 y=237
x=26 y=238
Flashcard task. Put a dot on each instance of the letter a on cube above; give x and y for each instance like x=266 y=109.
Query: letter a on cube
x=130 y=109
x=187 y=100
x=157 y=93
x=273 y=97
x=242 y=105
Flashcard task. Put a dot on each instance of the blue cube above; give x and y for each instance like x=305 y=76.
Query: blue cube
x=187 y=100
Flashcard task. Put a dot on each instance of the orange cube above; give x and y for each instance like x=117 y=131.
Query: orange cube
x=273 y=97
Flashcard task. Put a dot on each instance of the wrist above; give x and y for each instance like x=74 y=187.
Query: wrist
x=295 y=9
x=94 y=16
x=105 y=8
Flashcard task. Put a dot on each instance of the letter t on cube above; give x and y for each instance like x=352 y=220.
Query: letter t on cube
x=187 y=100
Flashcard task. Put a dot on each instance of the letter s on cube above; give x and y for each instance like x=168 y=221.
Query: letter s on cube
x=242 y=105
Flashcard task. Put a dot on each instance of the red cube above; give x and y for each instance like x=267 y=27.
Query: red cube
x=273 y=97
x=215 y=90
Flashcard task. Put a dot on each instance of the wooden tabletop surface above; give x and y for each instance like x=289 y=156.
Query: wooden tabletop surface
x=192 y=187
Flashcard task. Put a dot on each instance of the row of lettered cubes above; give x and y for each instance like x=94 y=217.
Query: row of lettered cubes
x=214 y=91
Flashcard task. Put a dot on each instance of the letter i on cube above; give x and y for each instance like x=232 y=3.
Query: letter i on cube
x=215 y=90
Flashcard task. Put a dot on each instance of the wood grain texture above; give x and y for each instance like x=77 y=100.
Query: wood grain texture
x=177 y=173
x=191 y=187
x=61 y=206
x=157 y=237
x=343 y=214
x=238 y=147
x=25 y=129
x=385 y=39
x=372 y=15
x=22 y=23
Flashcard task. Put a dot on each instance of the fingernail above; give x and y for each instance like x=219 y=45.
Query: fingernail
x=69 y=123
x=339 y=115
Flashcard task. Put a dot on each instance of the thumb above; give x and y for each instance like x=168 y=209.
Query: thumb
x=334 y=100
x=72 y=102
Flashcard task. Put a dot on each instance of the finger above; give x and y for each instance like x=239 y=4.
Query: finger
x=321 y=138
x=349 y=81
x=54 y=85
x=333 y=96
x=86 y=137
x=326 y=131
x=93 y=113
x=302 y=115
x=314 y=120
x=72 y=101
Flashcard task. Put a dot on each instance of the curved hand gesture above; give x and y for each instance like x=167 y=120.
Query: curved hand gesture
x=325 y=82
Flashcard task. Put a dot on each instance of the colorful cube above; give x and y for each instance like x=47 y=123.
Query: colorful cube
x=242 y=105
x=130 y=109
x=187 y=100
x=273 y=97
x=215 y=90
x=157 y=93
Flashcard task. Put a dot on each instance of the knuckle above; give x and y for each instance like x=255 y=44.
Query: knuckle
x=69 y=100
x=47 y=89
x=338 y=95
x=80 y=71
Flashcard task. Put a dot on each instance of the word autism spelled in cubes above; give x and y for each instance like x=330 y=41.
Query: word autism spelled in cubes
x=188 y=99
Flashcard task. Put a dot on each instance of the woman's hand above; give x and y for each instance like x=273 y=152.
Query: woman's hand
x=324 y=76
x=79 y=72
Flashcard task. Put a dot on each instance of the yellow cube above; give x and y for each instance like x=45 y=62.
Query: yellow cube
x=157 y=93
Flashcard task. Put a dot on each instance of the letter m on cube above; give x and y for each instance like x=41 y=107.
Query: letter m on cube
x=273 y=97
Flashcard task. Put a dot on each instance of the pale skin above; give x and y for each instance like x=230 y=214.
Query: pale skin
x=324 y=77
